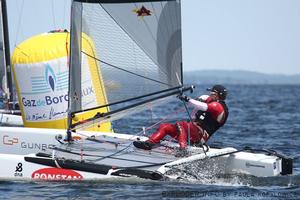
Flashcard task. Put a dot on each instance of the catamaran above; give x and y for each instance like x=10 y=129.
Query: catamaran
x=10 y=115
x=136 y=48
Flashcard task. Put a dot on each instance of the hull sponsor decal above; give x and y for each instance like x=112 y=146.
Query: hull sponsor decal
x=19 y=169
x=56 y=174
x=254 y=165
x=9 y=140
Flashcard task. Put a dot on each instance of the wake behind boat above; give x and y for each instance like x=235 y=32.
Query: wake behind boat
x=135 y=57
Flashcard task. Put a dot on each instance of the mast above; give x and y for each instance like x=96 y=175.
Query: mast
x=7 y=51
x=74 y=94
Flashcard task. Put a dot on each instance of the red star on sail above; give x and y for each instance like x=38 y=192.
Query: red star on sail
x=142 y=12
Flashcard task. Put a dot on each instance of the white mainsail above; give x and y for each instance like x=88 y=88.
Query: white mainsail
x=137 y=50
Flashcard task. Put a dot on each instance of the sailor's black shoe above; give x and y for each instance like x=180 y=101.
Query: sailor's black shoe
x=143 y=145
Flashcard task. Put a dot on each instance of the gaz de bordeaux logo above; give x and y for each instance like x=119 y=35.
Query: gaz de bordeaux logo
x=48 y=89
x=46 y=96
x=49 y=81
x=50 y=77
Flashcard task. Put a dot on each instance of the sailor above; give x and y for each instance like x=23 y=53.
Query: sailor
x=211 y=114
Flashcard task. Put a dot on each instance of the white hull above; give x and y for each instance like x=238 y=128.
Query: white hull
x=16 y=168
x=10 y=119
x=18 y=144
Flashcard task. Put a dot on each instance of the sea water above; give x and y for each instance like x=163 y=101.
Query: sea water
x=261 y=116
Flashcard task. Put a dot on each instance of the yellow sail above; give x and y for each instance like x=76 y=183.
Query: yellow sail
x=41 y=70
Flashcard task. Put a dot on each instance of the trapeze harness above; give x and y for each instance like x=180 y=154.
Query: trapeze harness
x=207 y=122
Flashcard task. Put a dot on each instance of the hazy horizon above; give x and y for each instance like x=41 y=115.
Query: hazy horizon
x=241 y=70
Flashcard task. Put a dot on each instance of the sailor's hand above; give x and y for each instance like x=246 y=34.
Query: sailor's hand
x=183 y=97
x=203 y=98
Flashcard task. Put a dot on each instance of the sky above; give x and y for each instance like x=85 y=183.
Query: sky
x=255 y=35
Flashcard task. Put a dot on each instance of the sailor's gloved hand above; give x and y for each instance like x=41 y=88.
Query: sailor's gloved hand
x=183 y=97
x=181 y=152
x=203 y=98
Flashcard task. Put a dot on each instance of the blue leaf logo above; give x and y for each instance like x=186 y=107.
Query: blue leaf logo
x=50 y=77
x=51 y=82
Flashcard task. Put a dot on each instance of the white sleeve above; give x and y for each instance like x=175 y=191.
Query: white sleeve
x=203 y=97
x=198 y=104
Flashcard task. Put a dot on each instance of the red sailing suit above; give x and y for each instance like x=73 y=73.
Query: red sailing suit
x=179 y=130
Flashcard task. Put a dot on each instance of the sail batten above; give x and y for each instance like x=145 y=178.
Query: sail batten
x=136 y=48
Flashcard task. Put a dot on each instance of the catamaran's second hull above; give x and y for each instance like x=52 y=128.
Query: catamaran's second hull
x=8 y=119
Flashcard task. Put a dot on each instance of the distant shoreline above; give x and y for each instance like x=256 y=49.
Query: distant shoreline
x=239 y=77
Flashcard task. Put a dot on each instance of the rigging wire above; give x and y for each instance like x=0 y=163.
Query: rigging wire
x=147 y=164
x=134 y=98
x=19 y=23
x=109 y=114
x=64 y=13
x=130 y=72
x=190 y=118
x=146 y=53
x=53 y=15
x=126 y=147
x=141 y=132
x=102 y=88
